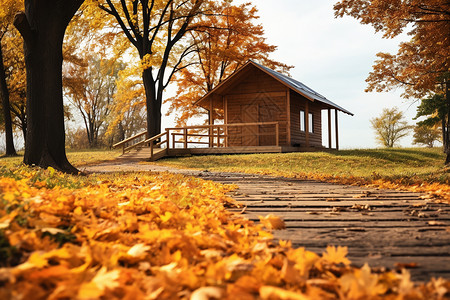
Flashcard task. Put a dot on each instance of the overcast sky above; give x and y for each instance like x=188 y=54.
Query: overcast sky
x=333 y=57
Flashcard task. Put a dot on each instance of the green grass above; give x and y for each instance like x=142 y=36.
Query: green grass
x=413 y=163
x=77 y=157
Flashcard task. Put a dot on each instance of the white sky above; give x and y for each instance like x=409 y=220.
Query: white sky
x=333 y=57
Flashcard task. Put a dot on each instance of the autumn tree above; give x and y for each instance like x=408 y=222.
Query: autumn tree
x=155 y=28
x=8 y=8
x=426 y=135
x=421 y=65
x=90 y=89
x=390 y=127
x=128 y=115
x=16 y=79
x=92 y=63
x=42 y=27
x=434 y=110
x=223 y=42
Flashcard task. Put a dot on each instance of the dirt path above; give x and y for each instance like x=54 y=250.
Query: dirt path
x=385 y=228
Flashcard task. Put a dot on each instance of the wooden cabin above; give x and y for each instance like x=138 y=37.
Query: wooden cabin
x=254 y=110
x=261 y=107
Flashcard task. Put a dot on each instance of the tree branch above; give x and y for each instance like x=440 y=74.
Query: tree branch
x=23 y=26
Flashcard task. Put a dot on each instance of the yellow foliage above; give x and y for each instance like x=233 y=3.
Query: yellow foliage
x=162 y=236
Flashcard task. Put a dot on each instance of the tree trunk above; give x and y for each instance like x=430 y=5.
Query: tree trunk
x=4 y=93
x=153 y=104
x=446 y=128
x=42 y=27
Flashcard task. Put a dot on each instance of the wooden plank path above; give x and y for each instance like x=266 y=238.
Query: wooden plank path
x=384 y=228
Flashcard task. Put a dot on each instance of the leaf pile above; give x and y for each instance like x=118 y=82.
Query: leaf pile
x=162 y=236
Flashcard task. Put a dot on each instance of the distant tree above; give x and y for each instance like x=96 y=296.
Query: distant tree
x=8 y=8
x=90 y=88
x=128 y=115
x=16 y=79
x=426 y=135
x=435 y=109
x=421 y=65
x=390 y=127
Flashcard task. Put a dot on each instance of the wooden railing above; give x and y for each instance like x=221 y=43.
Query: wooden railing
x=131 y=142
x=217 y=136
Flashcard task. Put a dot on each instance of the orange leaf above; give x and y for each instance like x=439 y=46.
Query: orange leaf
x=272 y=222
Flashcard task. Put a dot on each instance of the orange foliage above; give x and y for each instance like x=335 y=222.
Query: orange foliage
x=162 y=236
x=421 y=63
x=223 y=42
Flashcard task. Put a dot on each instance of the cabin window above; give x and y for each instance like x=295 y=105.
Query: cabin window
x=310 y=123
x=302 y=120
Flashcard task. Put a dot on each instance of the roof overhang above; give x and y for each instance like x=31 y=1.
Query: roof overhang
x=289 y=82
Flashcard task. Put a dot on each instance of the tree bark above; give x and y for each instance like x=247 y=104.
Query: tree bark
x=446 y=128
x=153 y=104
x=42 y=27
x=4 y=93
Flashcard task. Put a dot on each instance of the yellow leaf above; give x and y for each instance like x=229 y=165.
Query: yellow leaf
x=51 y=170
x=361 y=284
x=96 y=288
x=271 y=292
x=138 y=250
x=272 y=222
x=105 y=279
x=6 y=220
x=36 y=260
x=166 y=217
x=89 y=291
x=289 y=273
x=336 y=255
x=78 y=211
x=9 y=196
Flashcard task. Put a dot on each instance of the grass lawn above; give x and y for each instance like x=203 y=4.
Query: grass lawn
x=76 y=157
x=403 y=166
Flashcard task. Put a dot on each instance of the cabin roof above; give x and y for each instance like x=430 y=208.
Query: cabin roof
x=289 y=82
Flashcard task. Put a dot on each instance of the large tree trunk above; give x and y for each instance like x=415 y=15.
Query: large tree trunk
x=42 y=27
x=4 y=94
x=153 y=104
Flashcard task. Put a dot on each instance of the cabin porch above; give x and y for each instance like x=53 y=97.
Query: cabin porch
x=208 y=140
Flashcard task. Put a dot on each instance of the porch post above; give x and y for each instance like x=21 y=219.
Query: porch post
x=211 y=122
x=307 y=123
x=336 y=125
x=329 y=129
x=225 y=121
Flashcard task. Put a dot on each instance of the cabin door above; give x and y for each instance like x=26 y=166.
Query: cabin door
x=267 y=113
x=250 y=134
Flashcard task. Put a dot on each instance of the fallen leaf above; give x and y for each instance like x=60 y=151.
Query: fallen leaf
x=207 y=293
x=105 y=279
x=271 y=292
x=436 y=223
x=272 y=222
x=336 y=255
x=53 y=231
x=408 y=265
x=138 y=250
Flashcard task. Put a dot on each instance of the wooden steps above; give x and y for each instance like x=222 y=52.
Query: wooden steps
x=144 y=153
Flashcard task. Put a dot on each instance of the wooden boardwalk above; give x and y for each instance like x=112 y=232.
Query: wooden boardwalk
x=385 y=228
